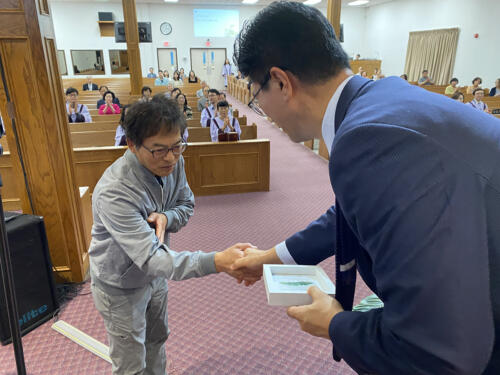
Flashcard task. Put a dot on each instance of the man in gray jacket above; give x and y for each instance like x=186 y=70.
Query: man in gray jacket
x=129 y=260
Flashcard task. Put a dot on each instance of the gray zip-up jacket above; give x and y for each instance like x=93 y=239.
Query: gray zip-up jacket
x=125 y=252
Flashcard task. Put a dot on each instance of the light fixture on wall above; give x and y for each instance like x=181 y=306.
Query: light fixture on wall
x=358 y=3
x=312 y=2
x=249 y=1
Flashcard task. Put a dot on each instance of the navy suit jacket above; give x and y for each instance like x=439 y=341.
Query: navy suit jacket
x=416 y=177
x=86 y=87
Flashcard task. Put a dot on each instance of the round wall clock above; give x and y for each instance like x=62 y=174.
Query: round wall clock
x=165 y=28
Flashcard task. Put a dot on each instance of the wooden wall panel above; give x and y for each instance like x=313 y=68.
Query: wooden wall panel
x=11 y=5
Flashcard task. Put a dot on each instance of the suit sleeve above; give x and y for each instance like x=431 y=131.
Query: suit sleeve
x=418 y=212
x=315 y=243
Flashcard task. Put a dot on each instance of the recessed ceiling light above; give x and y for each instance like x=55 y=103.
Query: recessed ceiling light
x=312 y=2
x=358 y=3
x=249 y=1
x=170 y=1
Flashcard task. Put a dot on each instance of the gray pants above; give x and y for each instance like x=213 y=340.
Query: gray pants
x=137 y=326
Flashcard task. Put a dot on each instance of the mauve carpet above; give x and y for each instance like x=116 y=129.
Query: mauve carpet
x=218 y=326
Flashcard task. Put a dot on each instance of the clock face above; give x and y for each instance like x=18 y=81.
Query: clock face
x=165 y=28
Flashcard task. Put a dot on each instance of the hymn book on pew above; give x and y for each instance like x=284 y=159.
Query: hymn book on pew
x=228 y=137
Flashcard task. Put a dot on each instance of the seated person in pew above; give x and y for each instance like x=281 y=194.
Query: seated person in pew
x=139 y=200
x=120 y=138
x=452 y=88
x=458 y=96
x=76 y=112
x=146 y=94
x=161 y=80
x=477 y=102
x=102 y=91
x=174 y=92
x=89 y=86
x=204 y=99
x=109 y=108
x=151 y=73
x=176 y=79
x=208 y=112
x=223 y=122
x=199 y=93
x=404 y=76
x=476 y=84
x=192 y=77
x=495 y=91
x=183 y=106
x=170 y=87
x=222 y=97
x=425 y=79
x=182 y=75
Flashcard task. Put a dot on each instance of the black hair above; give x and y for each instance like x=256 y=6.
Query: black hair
x=178 y=76
x=122 y=116
x=292 y=36
x=213 y=91
x=146 y=88
x=161 y=115
x=185 y=99
x=457 y=95
x=454 y=80
x=476 y=90
x=71 y=90
x=175 y=89
x=404 y=76
x=477 y=78
x=103 y=86
x=222 y=103
x=108 y=92
x=425 y=71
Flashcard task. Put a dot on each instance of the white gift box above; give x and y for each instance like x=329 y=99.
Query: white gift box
x=287 y=285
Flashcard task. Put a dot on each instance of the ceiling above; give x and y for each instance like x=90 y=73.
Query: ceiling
x=223 y=2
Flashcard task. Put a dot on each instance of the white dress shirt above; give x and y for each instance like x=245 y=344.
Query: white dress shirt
x=328 y=132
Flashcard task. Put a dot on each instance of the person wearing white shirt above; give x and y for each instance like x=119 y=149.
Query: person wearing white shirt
x=208 y=112
x=223 y=122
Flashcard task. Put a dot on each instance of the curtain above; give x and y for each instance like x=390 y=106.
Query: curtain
x=434 y=50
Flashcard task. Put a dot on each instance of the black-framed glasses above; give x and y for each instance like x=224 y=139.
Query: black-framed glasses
x=160 y=153
x=254 y=102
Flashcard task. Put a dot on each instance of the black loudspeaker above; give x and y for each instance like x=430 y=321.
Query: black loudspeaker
x=145 y=35
x=32 y=269
x=105 y=16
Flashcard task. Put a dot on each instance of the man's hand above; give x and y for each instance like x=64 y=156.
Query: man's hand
x=158 y=221
x=250 y=267
x=315 y=318
x=225 y=259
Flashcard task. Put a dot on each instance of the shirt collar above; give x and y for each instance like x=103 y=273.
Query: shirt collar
x=328 y=125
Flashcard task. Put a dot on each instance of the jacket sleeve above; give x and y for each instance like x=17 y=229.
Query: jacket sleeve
x=86 y=114
x=101 y=109
x=418 y=212
x=315 y=243
x=183 y=209
x=121 y=217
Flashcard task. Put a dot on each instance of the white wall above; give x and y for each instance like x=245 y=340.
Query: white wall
x=76 y=27
x=388 y=26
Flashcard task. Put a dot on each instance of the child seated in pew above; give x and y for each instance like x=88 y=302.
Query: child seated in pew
x=76 y=112
x=146 y=94
x=103 y=90
x=120 y=139
x=223 y=122
x=109 y=108
x=208 y=112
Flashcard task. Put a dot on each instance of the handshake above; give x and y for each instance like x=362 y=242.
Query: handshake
x=244 y=261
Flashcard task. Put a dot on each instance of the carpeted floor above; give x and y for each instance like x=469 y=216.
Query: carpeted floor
x=218 y=326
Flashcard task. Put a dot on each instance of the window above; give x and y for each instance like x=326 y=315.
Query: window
x=87 y=62
x=61 y=62
x=118 y=60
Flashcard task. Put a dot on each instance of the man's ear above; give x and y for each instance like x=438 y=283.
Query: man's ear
x=284 y=80
x=131 y=146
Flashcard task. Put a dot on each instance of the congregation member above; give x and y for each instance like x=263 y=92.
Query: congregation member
x=226 y=71
x=89 y=86
x=202 y=102
x=223 y=122
x=360 y=70
x=183 y=106
x=376 y=74
x=208 y=112
x=417 y=212
x=404 y=76
x=452 y=88
x=476 y=84
x=170 y=88
x=176 y=79
x=175 y=91
x=120 y=138
x=358 y=57
x=146 y=94
x=458 y=96
x=477 y=102
x=364 y=74
x=109 y=108
x=199 y=93
x=425 y=79
x=495 y=91
x=76 y=112
x=102 y=91
x=161 y=80
x=182 y=75
x=130 y=261
x=151 y=73
x=192 y=77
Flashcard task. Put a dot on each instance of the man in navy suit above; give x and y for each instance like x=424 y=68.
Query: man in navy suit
x=89 y=86
x=416 y=178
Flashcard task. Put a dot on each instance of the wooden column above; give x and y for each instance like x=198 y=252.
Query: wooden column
x=134 y=54
x=37 y=109
x=333 y=15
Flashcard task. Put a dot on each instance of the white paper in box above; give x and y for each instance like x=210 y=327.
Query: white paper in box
x=287 y=285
